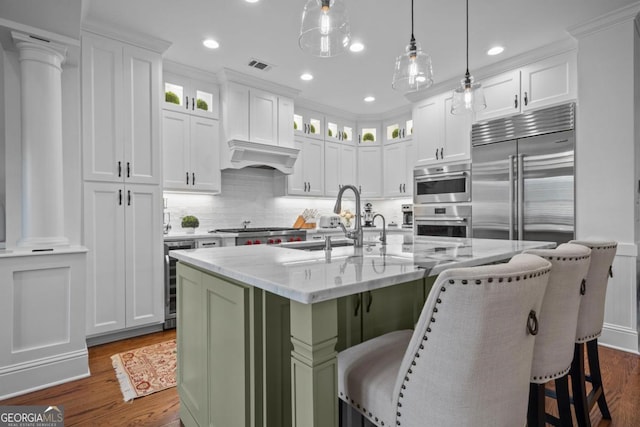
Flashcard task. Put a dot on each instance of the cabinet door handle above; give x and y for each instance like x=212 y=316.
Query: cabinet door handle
x=187 y=178
x=404 y=188
x=193 y=103
x=186 y=102
x=359 y=138
x=526 y=99
x=120 y=197
x=360 y=189
x=437 y=158
x=441 y=153
x=515 y=102
x=370 y=295
x=128 y=170
x=193 y=178
x=358 y=302
x=309 y=187
x=400 y=188
x=128 y=197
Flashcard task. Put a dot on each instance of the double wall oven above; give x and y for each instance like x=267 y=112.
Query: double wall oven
x=442 y=200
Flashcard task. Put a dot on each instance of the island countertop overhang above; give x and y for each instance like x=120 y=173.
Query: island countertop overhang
x=314 y=276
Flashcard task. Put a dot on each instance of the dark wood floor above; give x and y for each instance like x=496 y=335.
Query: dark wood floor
x=97 y=401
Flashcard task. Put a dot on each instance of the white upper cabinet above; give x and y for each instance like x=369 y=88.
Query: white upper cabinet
x=253 y=115
x=339 y=130
x=307 y=178
x=190 y=153
x=543 y=83
x=340 y=167
x=439 y=135
x=121 y=111
x=369 y=171
x=398 y=129
x=186 y=95
x=395 y=160
x=309 y=123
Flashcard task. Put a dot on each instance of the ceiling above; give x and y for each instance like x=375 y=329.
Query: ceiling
x=268 y=31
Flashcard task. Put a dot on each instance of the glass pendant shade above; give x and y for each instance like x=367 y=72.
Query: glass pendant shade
x=468 y=97
x=325 y=28
x=413 y=70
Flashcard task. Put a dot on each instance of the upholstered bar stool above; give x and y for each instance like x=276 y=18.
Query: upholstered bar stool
x=553 y=350
x=590 y=321
x=468 y=361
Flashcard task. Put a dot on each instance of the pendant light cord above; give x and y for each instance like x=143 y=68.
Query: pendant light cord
x=413 y=39
x=467 y=73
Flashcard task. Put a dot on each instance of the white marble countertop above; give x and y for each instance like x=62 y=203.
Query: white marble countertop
x=198 y=234
x=314 y=276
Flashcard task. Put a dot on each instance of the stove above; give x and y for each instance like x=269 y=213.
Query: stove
x=265 y=235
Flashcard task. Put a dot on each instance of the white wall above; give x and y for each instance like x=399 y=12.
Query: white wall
x=606 y=173
x=2 y=152
x=249 y=194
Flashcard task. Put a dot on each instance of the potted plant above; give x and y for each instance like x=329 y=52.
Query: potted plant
x=368 y=137
x=395 y=133
x=171 y=97
x=201 y=104
x=190 y=223
x=312 y=128
x=330 y=132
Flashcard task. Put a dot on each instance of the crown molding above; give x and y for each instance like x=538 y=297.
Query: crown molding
x=189 y=71
x=126 y=36
x=227 y=75
x=605 y=21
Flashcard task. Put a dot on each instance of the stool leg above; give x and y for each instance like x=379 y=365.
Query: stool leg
x=536 y=413
x=596 y=377
x=578 y=385
x=564 y=402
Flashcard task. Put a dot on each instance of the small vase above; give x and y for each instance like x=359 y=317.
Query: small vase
x=189 y=230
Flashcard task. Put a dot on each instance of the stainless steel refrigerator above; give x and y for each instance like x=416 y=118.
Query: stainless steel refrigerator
x=522 y=184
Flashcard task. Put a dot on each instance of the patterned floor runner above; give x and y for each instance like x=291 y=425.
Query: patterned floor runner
x=146 y=370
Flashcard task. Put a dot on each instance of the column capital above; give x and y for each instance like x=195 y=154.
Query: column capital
x=39 y=49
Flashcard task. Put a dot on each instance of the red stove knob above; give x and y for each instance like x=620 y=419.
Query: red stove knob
x=248 y=242
x=298 y=239
x=278 y=240
x=291 y=239
x=256 y=242
x=270 y=241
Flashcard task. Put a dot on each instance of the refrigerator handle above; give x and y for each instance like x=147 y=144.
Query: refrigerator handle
x=520 y=196
x=511 y=198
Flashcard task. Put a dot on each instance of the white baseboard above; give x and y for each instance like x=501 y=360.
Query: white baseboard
x=24 y=378
x=123 y=334
x=619 y=338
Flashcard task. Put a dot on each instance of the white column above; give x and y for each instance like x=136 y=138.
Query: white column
x=41 y=117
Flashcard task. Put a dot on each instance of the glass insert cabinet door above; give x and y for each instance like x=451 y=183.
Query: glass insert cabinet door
x=190 y=96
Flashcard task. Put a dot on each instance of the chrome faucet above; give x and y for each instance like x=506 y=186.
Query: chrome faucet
x=245 y=223
x=383 y=234
x=355 y=234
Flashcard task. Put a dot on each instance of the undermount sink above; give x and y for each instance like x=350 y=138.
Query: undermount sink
x=316 y=245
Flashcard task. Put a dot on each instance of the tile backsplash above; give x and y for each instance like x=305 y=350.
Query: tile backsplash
x=250 y=194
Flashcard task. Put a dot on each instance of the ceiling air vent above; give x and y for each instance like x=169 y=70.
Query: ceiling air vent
x=260 y=65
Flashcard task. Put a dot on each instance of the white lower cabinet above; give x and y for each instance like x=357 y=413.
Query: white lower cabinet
x=397 y=180
x=191 y=152
x=340 y=167
x=125 y=276
x=307 y=178
x=369 y=171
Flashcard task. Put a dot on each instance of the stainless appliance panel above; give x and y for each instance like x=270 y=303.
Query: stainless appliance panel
x=546 y=180
x=170 y=280
x=523 y=185
x=442 y=184
x=494 y=190
x=442 y=220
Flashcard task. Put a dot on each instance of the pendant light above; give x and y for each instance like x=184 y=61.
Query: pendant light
x=413 y=70
x=324 y=31
x=469 y=96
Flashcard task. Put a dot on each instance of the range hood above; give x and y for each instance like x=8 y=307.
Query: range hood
x=246 y=153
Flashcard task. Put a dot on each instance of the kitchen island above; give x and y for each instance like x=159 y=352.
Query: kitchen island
x=259 y=327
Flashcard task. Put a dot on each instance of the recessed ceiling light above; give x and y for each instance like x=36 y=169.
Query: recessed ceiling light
x=369 y=99
x=211 y=43
x=306 y=77
x=356 y=47
x=496 y=50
